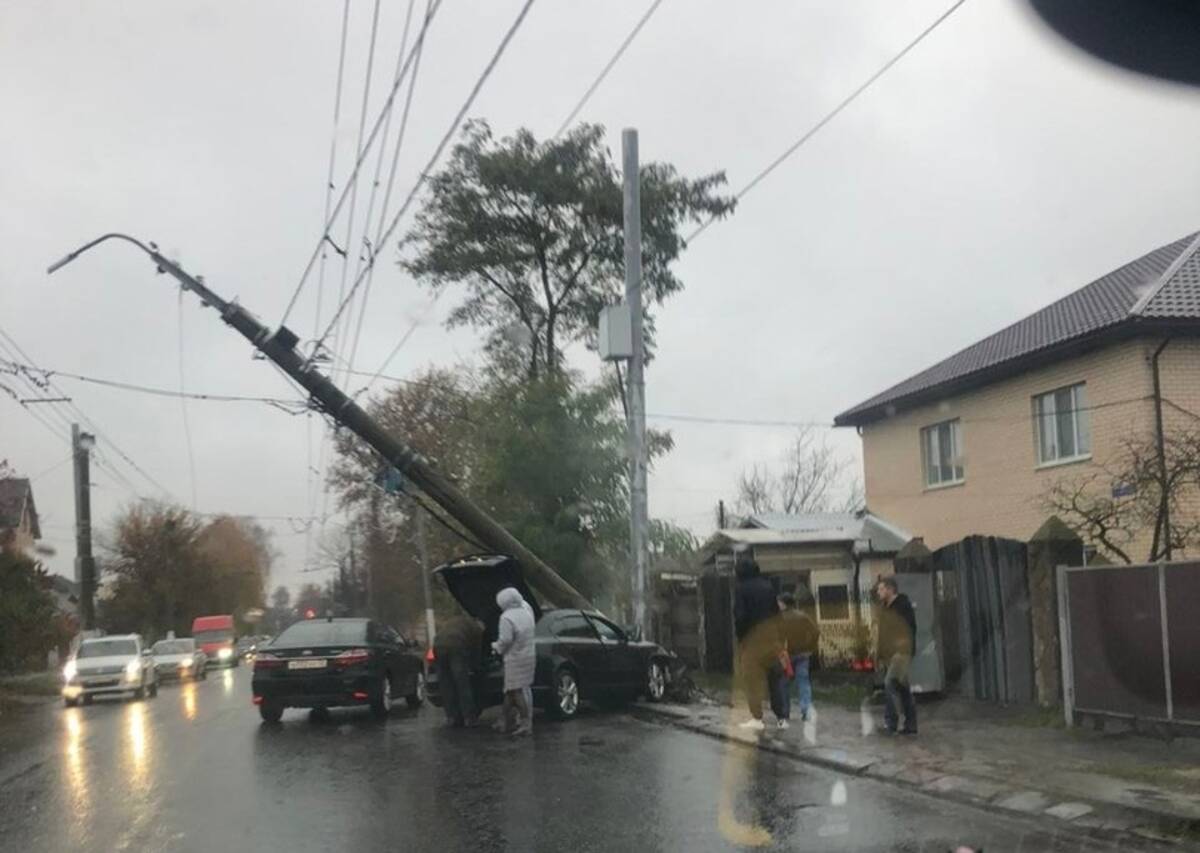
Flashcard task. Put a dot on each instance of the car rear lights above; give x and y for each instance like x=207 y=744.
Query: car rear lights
x=430 y=657
x=352 y=657
x=266 y=661
x=360 y=695
x=257 y=700
x=864 y=665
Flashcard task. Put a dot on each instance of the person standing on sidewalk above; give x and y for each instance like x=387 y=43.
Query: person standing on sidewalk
x=458 y=649
x=801 y=638
x=897 y=644
x=757 y=632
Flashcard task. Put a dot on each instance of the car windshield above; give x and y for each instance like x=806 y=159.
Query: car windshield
x=107 y=648
x=322 y=633
x=174 y=647
x=823 y=375
x=223 y=635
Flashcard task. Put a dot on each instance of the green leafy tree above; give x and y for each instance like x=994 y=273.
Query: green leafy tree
x=533 y=231
x=30 y=624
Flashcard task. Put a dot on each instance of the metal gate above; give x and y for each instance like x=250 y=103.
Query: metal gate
x=1131 y=641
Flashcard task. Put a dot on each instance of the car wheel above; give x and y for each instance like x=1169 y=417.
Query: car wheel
x=656 y=682
x=381 y=702
x=204 y=673
x=70 y=703
x=270 y=712
x=153 y=688
x=417 y=698
x=565 y=701
x=319 y=715
x=140 y=693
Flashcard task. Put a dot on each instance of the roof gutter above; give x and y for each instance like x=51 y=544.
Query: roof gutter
x=1163 y=524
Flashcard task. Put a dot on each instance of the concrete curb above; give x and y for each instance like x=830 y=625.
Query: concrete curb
x=1099 y=820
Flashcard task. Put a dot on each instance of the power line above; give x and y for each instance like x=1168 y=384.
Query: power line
x=358 y=165
x=337 y=112
x=811 y=132
x=609 y=67
x=412 y=84
x=187 y=426
x=13 y=367
x=358 y=148
x=424 y=176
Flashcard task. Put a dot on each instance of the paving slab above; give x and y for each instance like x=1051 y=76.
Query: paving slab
x=1069 y=811
x=1028 y=802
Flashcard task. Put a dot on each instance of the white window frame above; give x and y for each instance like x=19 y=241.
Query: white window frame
x=1044 y=407
x=958 y=468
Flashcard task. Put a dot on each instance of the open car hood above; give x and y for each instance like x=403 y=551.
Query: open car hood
x=475 y=580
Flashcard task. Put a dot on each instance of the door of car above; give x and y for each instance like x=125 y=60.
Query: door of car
x=620 y=658
x=577 y=641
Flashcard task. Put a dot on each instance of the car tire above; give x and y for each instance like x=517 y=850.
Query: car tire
x=564 y=700
x=417 y=698
x=270 y=712
x=70 y=703
x=204 y=673
x=656 y=681
x=381 y=700
x=153 y=688
x=319 y=714
x=140 y=693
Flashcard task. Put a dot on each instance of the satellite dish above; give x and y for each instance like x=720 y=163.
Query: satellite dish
x=1160 y=38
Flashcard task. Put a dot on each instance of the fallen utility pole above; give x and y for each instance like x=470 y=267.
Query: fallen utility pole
x=280 y=347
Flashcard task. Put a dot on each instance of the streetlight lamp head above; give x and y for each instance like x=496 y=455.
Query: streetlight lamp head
x=87 y=441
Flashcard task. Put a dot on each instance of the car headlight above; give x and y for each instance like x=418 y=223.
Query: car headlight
x=186 y=663
x=225 y=653
x=69 y=670
x=133 y=669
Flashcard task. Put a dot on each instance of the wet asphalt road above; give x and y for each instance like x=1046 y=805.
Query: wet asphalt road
x=194 y=770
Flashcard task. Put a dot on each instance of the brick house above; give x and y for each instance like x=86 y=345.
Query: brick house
x=19 y=526
x=974 y=444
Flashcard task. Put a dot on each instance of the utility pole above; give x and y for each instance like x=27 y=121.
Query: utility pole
x=85 y=565
x=423 y=558
x=639 y=514
x=280 y=347
x=720 y=515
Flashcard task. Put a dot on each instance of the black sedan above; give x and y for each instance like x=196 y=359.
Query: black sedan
x=336 y=662
x=581 y=655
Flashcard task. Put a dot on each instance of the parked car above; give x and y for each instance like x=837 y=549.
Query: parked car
x=325 y=663
x=179 y=658
x=581 y=654
x=105 y=666
x=216 y=638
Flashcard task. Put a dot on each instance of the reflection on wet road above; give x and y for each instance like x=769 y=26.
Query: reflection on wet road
x=194 y=770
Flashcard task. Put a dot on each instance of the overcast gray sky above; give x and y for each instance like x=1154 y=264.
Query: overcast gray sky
x=991 y=171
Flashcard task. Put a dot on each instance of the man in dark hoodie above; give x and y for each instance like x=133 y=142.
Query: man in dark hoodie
x=897 y=645
x=754 y=607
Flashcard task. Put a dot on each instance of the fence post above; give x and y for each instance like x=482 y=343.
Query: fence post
x=1064 y=644
x=1166 y=641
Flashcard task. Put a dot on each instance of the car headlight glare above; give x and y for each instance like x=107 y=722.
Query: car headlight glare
x=225 y=653
x=69 y=670
x=185 y=663
x=133 y=669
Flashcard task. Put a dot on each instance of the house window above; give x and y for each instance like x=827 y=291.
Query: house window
x=1062 y=425
x=833 y=603
x=941 y=447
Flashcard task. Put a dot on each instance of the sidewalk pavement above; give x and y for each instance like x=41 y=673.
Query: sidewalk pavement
x=1005 y=759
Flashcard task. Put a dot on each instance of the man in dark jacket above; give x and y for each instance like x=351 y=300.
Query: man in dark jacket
x=754 y=606
x=458 y=649
x=897 y=645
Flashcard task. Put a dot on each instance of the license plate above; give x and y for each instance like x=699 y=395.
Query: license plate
x=311 y=663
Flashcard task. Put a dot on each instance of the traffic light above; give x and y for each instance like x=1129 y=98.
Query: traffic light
x=309 y=613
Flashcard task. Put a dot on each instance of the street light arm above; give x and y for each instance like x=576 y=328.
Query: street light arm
x=59 y=264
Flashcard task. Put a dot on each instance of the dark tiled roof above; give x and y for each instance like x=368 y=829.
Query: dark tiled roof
x=15 y=492
x=1162 y=284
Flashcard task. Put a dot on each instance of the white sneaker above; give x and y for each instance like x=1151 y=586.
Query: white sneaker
x=782 y=724
x=752 y=725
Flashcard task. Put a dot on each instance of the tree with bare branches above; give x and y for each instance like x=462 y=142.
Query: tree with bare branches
x=809 y=477
x=1137 y=498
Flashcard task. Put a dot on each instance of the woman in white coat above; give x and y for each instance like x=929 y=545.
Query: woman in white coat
x=515 y=645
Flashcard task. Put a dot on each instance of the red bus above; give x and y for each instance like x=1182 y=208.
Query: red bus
x=215 y=637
